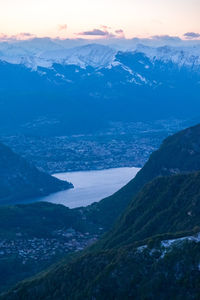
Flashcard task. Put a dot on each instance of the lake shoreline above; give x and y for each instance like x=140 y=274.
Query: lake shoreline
x=89 y=186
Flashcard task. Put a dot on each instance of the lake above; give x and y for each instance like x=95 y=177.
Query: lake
x=90 y=186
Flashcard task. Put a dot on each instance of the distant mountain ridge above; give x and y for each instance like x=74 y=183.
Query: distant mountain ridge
x=20 y=180
x=69 y=98
x=91 y=55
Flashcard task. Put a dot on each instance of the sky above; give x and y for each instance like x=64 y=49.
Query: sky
x=99 y=18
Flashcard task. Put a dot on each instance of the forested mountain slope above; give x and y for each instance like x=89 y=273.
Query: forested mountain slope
x=20 y=180
x=179 y=153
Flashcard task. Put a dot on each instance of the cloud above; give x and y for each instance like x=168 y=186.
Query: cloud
x=62 y=27
x=166 y=38
x=97 y=32
x=25 y=35
x=120 y=33
x=105 y=28
x=3 y=36
x=104 y=32
x=192 y=35
x=19 y=36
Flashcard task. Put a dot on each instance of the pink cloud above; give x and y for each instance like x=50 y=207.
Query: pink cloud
x=103 y=32
x=3 y=36
x=120 y=33
x=24 y=35
x=62 y=27
x=97 y=32
x=105 y=28
x=19 y=36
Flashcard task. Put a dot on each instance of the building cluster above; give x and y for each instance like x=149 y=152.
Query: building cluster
x=119 y=145
x=44 y=249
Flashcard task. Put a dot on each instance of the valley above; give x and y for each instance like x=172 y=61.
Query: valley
x=158 y=193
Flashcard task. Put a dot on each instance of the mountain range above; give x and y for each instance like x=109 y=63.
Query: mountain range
x=81 y=90
x=153 y=249
x=46 y=52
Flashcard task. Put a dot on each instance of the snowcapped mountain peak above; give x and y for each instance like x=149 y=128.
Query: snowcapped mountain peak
x=188 y=55
x=93 y=55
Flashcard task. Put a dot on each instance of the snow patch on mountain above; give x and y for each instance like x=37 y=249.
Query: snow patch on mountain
x=167 y=245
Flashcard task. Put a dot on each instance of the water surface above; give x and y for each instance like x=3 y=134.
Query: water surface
x=90 y=186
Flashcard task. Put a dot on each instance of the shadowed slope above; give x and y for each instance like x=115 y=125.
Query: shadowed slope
x=20 y=180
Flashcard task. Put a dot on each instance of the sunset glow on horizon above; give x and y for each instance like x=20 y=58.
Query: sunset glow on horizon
x=99 y=18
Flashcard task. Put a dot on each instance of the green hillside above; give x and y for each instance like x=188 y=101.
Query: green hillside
x=40 y=219
x=165 y=205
